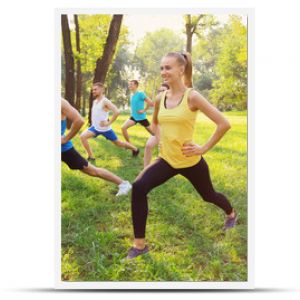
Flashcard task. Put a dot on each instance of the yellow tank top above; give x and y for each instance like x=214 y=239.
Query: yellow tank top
x=176 y=128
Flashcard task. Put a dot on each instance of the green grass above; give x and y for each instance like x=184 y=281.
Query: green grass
x=184 y=232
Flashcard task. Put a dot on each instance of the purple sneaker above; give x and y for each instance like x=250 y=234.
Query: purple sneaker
x=134 y=252
x=230 y=222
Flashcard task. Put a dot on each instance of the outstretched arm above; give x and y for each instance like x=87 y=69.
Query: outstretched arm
x=72 y=115
x=198 y=102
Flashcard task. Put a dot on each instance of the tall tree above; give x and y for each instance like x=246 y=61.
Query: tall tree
x=69 y=60
x=196 y=25
x=103 y=63
x=93 y=34
x=78 y=65
x=191 y=24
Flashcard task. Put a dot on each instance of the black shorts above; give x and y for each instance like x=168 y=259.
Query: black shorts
x=73 y=159
x=144 y=122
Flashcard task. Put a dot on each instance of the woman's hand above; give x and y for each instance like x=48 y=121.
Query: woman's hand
x=191 y=149
x=198 y=102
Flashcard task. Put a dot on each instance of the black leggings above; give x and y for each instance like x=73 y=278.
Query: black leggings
x=159 y=172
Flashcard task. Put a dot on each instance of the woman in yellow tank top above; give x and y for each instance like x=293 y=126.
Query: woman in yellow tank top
x=175 y=112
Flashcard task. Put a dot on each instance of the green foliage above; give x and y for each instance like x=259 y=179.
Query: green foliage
x=93 y=35
x=183 y=232
x=200 y=24
x=230 y=88
x=149 y=53
x=70 y=267
x=219 y=59
x=205 y=54
x=220 y=64
x=117 y=80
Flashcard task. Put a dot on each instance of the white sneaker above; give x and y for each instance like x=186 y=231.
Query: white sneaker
x=124 y=188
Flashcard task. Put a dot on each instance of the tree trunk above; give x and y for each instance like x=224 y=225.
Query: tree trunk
x=102 y=64
x=191 y=24
x=78 y=66
x=69 y=60
x=189 y=33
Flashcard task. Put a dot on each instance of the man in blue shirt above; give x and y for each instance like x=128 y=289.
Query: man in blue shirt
x=138 y=110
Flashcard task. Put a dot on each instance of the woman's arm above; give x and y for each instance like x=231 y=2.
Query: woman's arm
x=155 y=127
x=198 y=102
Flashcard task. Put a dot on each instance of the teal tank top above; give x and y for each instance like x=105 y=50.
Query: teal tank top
x=68 y=145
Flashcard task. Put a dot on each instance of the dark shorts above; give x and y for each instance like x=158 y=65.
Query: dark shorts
x=73 y=159
x=144 y=122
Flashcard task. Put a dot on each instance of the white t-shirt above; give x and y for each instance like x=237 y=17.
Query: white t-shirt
x=99 y=114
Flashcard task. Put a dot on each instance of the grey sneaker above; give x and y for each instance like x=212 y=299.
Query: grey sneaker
x=230 y=222
x=134 y=252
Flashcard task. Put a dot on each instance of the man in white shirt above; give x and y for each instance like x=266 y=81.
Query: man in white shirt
x=101 y=125
x=73 y=159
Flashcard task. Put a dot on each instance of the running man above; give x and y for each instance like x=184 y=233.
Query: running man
x=73 y=159
x=138 y=109
x=101 y=125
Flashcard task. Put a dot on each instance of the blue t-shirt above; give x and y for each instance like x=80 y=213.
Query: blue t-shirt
x=68 y=145
x=137 y=102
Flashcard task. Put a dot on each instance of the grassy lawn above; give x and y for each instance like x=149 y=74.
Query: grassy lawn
x=184 y=233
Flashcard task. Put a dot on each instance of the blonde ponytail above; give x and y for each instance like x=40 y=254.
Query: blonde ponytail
x=188 y=70
x=185 y=59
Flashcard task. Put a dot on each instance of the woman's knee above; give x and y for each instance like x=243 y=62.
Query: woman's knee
x=138 y=188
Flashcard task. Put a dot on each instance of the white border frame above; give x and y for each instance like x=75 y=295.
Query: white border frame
x=250 y=148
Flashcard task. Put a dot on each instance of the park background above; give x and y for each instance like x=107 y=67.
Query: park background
x=184 y=233
x=30 y=273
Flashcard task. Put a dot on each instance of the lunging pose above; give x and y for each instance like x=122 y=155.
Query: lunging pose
x=73 y=159
x=175 y=112
x=101 y=125
x=138 y=110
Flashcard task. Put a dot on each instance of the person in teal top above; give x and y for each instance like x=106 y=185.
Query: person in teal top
x=137 y=104
x=73 y=159
x=138 y=100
